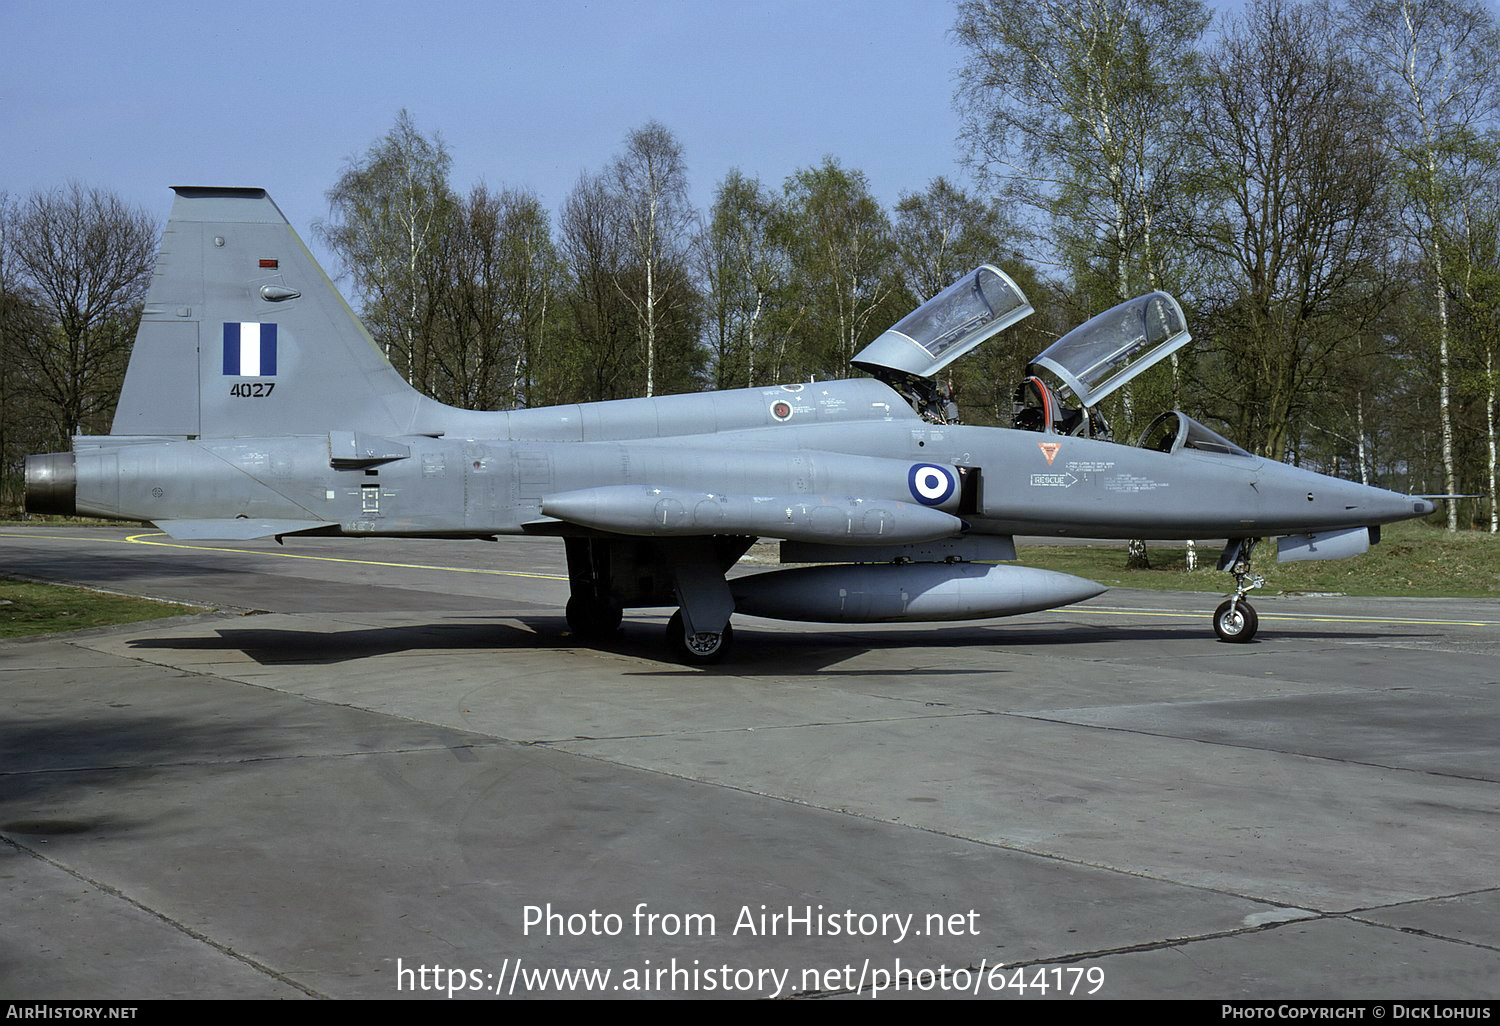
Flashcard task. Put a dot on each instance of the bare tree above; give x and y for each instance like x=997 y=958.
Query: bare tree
x=650 y=181
x=1293 y=216
x=595 y=258
x=528 y=273
x=465 y=336
x=81 y=260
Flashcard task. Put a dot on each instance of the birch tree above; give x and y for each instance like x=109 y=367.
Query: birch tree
x=650 y=182
x=942 y=232
x=1473 y=261
x=1078 y=107
x=1437 y=60
x=388 y=211
x=743 y=269
x=838 y=241
x=529 y=279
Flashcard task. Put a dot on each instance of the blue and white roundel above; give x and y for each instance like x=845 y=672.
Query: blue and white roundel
x=931 y=485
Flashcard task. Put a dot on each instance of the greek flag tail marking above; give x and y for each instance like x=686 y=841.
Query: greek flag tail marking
x=250 y=349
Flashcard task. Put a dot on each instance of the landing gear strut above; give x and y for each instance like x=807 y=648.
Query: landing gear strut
x=1235 y=620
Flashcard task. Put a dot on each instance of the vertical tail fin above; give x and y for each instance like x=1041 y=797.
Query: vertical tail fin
x=243 y=334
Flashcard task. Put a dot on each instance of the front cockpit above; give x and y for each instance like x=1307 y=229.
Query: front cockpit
x=1036 y=407
x=1175 y=431
x=1093 y=360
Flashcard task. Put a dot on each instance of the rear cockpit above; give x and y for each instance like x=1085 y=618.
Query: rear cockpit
x=977 y=307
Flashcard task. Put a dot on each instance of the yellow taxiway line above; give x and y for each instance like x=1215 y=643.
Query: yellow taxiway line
x=1298 y=617
x=148 y=538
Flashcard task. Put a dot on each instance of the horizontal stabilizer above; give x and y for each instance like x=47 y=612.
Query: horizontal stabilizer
x=358 y=449
x=237 y=529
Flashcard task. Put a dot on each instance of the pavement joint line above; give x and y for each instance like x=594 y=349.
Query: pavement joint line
x=1255 y=748
x=840 y=812
x=1315 y=915
x=12 y=575
x=1124 y=949
x=552 y=746
x=1418 y=932
x=182 y=928
x=937 y=832
x=493 y=742
x=548 y=742
x=1169 y=943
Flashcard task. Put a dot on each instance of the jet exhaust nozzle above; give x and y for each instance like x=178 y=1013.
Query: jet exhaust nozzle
x=906 y=593
x=52 y=484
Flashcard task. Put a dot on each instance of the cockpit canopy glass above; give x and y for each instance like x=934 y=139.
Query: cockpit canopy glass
x=1175 y=431
x=979 y=305
x=1106 y=351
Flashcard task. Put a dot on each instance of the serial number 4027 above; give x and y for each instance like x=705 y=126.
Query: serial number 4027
x=252 y=389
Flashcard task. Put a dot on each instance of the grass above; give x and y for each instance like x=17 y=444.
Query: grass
x=1413 y=559
x=27 y=608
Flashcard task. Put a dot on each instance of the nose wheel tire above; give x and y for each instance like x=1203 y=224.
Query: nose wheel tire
x=1235 y=622
x=697 y=649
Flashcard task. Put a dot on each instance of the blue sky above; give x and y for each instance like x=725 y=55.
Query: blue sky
x=139 y=96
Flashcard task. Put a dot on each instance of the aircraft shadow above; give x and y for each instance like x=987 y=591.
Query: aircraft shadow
x=272 y=647
x=759 y=650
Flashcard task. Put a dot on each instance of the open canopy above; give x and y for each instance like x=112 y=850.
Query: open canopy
x=1111 y=348
x=982 y=303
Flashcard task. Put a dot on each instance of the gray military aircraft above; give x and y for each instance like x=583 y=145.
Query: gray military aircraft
x=255 y=405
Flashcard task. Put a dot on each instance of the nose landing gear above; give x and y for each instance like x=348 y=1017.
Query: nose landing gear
x=1235 y=620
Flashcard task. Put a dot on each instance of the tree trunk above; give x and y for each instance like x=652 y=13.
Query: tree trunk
x=1489 y=416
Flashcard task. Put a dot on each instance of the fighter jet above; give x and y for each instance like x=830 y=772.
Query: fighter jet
x=255 y=405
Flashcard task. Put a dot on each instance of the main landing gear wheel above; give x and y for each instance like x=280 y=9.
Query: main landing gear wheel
x=593 y=619
x=1235 y=622
x=697 y=649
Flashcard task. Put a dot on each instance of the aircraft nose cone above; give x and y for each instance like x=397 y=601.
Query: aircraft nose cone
x=1395 y=506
